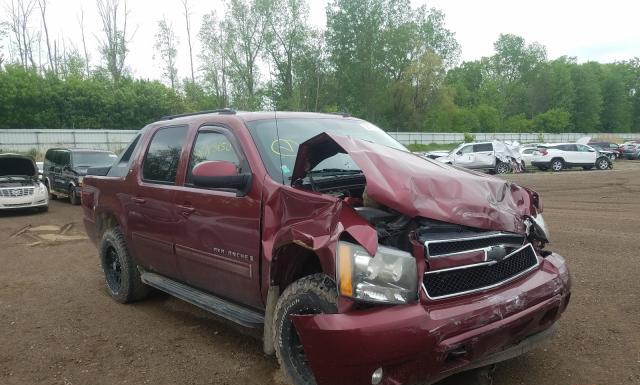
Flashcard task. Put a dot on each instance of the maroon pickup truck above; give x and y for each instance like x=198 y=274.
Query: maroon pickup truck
x=362 y=262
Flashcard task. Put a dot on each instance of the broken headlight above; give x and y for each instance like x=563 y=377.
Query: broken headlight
x=387 y=277
x=538 y=228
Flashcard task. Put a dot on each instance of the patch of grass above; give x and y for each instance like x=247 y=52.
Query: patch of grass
x=420 y=147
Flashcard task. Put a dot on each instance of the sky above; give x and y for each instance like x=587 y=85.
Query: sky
x=596 y=30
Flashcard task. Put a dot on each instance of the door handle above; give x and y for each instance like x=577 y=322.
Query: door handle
x=139 y=201
x=186 y=209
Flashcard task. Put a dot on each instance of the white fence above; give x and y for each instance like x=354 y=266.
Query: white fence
x=40 y=140
x=450 y=137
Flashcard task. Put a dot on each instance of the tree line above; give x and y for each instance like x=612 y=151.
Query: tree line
x=383 y=60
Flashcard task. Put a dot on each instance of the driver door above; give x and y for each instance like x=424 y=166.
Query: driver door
x=464 y=157
x=586 y=155
x=218 y=232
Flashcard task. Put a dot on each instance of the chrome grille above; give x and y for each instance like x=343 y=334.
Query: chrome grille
x=481 y=276
x=15 y=192
x=440 y=247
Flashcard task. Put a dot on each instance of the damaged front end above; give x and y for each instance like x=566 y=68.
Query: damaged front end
x=438 y=269
x=19 y=183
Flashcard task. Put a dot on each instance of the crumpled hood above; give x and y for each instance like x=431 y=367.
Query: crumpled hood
x=15 y=164
x=418 y=187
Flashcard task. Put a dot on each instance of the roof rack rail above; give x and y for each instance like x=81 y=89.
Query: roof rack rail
x=224 y=111
x=343 y=114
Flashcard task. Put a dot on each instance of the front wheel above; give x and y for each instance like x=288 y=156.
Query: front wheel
x=603 y=163
x=314 y=294
x=502 y=168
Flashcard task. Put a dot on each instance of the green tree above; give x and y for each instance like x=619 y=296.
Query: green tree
x=555 y=120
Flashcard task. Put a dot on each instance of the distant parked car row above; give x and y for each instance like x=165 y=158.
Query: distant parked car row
x=65 y=168
x=630 y=151
x=559 y=156
x=26 y=184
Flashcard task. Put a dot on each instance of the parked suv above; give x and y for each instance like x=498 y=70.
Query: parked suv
x=65 y=168
x=559 y=156
x=362 y=262
x=19 y=184
x=491 y=156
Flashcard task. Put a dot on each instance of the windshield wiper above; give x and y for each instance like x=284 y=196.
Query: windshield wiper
x=334 y=171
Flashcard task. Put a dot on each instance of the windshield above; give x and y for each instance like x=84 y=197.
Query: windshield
x=93 y=159
x=279 y=154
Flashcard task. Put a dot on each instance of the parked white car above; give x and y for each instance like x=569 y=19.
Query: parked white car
x=558 y=156
x=19 y=184
x=526 y=153
x=493 y=156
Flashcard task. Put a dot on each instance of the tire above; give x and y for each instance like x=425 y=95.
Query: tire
x=120 y=270
x=43 y=209
x=502 y=168
x=314 y=294
x=557 y=165
x=603 y=163
x=73 y=197
x=52 y=196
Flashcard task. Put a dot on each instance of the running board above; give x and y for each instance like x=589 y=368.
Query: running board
x=208 y=302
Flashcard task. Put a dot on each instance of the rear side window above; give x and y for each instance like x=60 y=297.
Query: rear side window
x=482 y=147
x=160 y=164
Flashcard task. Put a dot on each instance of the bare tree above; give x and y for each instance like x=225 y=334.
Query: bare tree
x=166 y=43
x=188 y=24
x=84 y=43
x=3 y=34
x=244 y=32
x=43 y=11
x=113 y=45
x=214 y=61
x=19 y=13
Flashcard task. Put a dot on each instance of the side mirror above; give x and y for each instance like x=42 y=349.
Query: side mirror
x=219 y=174
x=459 y=153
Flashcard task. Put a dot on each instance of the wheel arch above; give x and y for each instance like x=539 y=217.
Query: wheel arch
x=293 y=261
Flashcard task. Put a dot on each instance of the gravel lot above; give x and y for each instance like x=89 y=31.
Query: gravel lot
x=59 y=326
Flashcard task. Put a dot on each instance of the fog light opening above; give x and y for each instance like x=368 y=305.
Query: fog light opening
x=376 y=377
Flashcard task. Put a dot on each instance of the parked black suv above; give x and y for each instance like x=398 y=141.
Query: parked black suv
x=64 y=169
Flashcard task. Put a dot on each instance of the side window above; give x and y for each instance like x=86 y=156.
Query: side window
x=466 y=149
x=121 y=168
x=160 y=164
x=582 y=148
x=482 y=147
x=65 y=158
x=210 y=145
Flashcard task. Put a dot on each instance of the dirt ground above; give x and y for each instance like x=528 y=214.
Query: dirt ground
x=59 y=326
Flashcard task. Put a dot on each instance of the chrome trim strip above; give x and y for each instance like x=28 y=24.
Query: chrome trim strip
x=497 y=235
x=484 y=287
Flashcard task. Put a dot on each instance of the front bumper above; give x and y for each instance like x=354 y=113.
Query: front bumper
x=23 y=202
x=432 y=340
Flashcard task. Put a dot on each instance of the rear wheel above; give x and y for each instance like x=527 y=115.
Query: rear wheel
x=73 y=196
x=557 y=165
x=314 y=294
x=120 y=271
